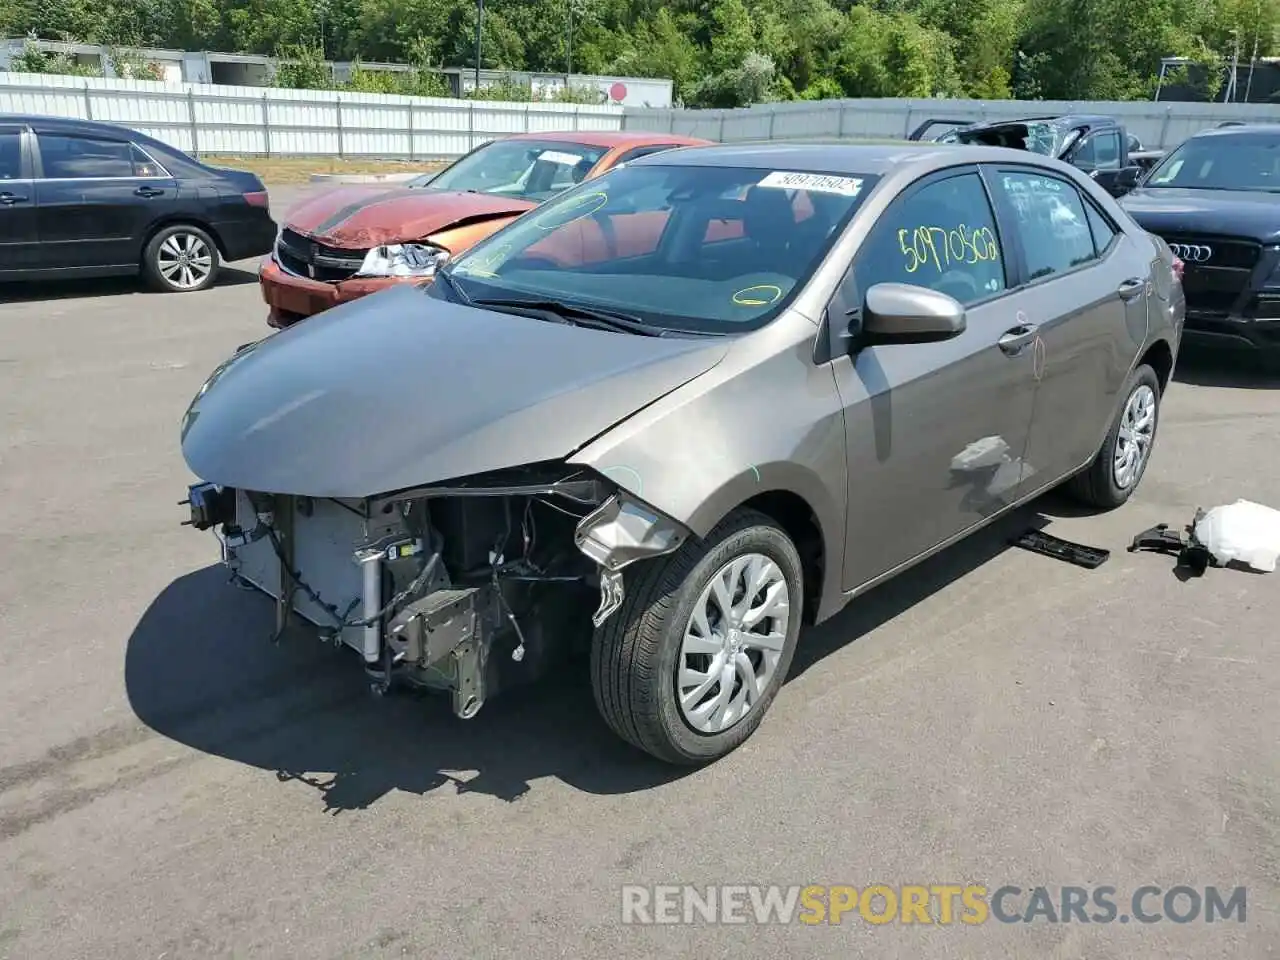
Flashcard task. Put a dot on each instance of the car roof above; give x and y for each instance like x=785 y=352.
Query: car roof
x=68 y=124
x=610 y=138
x=1057 y=120
x=864 y=159
x=1249 y=129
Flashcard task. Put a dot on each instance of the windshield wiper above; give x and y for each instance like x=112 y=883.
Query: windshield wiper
x=453 y=285
x=581 y=316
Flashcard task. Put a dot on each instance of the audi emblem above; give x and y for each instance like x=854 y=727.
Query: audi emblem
x=1192 y=252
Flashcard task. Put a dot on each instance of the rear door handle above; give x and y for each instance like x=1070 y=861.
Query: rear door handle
x=9 y=199
x=149 y=192
x=1016 y=340
x=1131 y=288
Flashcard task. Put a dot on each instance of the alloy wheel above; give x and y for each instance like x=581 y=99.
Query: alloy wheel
x=732 y=643
x=184 y=260
x=1133 y=442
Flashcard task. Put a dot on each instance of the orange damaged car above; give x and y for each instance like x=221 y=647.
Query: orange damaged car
x=346 y=243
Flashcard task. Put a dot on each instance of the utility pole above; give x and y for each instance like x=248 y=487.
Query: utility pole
x=1253 y=60
x=569 y=67
x=479 y=22
x=1235 y=65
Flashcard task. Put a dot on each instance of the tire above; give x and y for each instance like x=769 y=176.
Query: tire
x=180 y=259
x=1099 y=485
x=635 y=654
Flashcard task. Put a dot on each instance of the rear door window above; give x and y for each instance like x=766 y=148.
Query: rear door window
x=1051 y=221
x=10 y=153
x=89 y=158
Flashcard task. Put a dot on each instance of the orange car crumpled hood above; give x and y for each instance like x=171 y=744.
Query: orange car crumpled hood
x=360 y=217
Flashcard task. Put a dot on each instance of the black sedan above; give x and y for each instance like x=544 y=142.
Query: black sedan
x=80 y=198
x=1216 y=200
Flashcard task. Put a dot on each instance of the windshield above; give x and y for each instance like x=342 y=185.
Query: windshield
x=1042 y=138
x=1222 y=163
x=704 y=249
x=528 y=169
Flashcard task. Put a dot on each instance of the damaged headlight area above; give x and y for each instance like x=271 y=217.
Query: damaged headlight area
x=403 y=260
x=468 y=586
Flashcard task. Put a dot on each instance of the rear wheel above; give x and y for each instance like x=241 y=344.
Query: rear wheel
x=1118 y=468
x=689 y=665
x=180 y=259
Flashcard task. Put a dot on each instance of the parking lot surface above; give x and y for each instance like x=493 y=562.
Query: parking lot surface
x=172 y=785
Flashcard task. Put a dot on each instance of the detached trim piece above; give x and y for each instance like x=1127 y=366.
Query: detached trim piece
x=619 y=532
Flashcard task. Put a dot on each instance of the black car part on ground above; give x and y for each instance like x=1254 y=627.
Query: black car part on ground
x=1077 y=554
x=1193 y=556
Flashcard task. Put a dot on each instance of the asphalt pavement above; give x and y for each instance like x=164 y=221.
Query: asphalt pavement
x=173 y=785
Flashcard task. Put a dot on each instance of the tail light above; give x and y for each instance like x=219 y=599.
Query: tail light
x=1177 y=268
x=258 y=198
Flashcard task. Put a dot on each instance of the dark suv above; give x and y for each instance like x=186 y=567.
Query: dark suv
x=1216 y=201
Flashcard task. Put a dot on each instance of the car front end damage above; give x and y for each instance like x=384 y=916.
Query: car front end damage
x=467 y=586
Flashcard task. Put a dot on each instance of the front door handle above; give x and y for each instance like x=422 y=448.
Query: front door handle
x=1016 y=340
x=1131 y=288
x=149 y=192
x=9 y=199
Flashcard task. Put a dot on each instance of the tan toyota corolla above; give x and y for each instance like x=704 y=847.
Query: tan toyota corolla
x=682 y=410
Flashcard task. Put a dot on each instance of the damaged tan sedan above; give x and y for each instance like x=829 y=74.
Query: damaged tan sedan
x=682 y=410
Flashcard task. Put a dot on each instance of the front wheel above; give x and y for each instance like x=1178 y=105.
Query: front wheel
x=1117 y=470
x=688 y=666
x=180 y=259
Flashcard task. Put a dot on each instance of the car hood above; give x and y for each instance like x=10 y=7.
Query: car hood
x=399 y=389
x=1180 y=211
x=360 y=217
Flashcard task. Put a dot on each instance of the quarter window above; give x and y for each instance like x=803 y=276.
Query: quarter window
x=1103 y=231
x=72 y=158
x=1051 y=222
x=143 y=165
x=943 y=236
x=10 y=155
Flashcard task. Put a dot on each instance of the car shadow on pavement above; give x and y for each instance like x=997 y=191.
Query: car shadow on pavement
x=892 y=598
x=200 y=669
x=62 y=289
x=1222 y=368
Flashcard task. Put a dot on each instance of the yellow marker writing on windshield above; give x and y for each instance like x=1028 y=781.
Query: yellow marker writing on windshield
x=760 y=295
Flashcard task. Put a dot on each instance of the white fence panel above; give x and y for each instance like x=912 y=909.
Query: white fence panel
x=1157 y=125
x=207 y=118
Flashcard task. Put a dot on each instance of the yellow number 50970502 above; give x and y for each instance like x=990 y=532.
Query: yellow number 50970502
x=941 y=248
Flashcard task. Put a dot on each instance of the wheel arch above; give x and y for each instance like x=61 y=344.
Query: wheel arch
x=796 y=517
x=181 y=220
x=1159 y=356
x=797 y=502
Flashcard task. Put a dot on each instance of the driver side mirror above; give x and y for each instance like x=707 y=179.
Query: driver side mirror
x=1127 y=179
x=905 y=313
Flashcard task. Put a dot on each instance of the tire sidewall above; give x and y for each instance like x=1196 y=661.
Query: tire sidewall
x=153 y=259
x=772 y=542
x=1143 y=376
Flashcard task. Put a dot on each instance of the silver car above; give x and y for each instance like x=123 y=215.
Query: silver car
x=680 y=411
